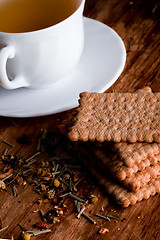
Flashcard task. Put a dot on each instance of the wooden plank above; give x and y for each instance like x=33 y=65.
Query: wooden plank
x=138 y=24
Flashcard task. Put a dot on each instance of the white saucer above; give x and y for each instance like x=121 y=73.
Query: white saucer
x=101 y=63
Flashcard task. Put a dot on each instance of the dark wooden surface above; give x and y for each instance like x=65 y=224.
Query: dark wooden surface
x=138 y=24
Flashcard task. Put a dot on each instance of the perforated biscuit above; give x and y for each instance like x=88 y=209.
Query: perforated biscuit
x=131 y=154
x=131 y=178
x=122 y=196
x=113 y=162
x=140 y=179
x=117 y=117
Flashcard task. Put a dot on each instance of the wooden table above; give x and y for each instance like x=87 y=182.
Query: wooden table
x=138 y=24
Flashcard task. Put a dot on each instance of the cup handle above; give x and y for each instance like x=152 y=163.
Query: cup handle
x=17 y=82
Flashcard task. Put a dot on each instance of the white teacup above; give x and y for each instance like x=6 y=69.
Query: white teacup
x=41 y=58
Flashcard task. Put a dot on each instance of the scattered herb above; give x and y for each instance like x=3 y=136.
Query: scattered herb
x=81 y=211
x=94 y=199
x=14 y=189
x=7 y=143
x=25 y=236
x=56 y=183
x=42 y=215
x=2 y=229
x=41 y=225
x=33 y=156
x=53 y=178
x=2 y=185
x=51 y=194
x=102 y=217
x=75 y=197
x=113 y=216
x=78 y=208
x=38 y=232
x=88 y=217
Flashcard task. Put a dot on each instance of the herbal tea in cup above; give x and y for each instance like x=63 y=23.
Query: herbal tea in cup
x=18 y=16
x=40 y=41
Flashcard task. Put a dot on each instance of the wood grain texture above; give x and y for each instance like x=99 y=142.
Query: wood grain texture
x=138 y=24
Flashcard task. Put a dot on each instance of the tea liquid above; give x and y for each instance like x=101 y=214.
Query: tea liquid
x=30 y=15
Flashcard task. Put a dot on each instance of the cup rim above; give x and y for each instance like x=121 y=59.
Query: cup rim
x=47 y=28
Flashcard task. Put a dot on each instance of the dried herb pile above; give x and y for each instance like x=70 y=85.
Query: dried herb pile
x=53 y=172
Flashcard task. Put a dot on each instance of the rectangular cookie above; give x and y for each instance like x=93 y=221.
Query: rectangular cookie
x=117 y=162
x=136 y=157
x=131 y=154
x=122 y=196
x=117 y=165
x=109 y=163
x=134 y=153
x=117 y=117
x=140 y=179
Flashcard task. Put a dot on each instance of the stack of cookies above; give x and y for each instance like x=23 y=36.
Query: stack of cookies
x=118 y=139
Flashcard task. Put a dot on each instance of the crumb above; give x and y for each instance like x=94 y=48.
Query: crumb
x=103 y=230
